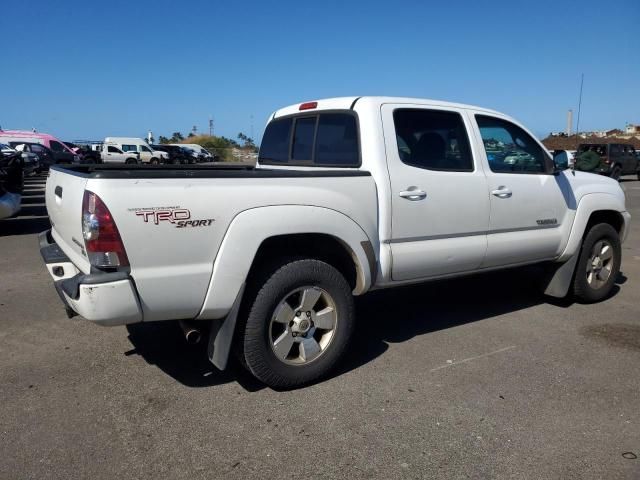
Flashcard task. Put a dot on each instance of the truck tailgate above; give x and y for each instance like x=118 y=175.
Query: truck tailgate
x=64 y=194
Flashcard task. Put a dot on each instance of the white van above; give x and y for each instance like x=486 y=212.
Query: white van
x=138 y=145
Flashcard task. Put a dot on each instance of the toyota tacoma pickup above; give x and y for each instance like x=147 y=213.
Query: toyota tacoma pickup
x=348 y=195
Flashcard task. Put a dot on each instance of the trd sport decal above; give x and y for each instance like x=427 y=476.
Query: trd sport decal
x=179 y=217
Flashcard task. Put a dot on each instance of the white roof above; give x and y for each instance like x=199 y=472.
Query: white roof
x=345 y=103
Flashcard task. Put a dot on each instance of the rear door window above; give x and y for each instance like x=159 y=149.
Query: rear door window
x=432 y=140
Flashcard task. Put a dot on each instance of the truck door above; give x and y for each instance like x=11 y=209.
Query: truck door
x=145 y=153
x=529 y=205
x=114 y=155
x=440 y=210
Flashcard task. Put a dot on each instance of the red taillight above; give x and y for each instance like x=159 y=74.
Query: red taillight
x=308 y=106
x=101 y=237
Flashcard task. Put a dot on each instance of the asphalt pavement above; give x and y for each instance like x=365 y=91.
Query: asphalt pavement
x=481 y=377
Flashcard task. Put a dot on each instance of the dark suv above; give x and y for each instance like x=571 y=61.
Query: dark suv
x=176 y=154
x=616 y=159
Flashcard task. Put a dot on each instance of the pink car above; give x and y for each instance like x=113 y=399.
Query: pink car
x=61 y=153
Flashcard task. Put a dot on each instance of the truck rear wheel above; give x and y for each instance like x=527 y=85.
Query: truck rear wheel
x=298 y=324
x=598 y=265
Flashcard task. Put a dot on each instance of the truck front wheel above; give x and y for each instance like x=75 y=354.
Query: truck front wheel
x=598 y=265
x=298 y=324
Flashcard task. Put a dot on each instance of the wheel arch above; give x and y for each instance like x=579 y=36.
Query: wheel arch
x=595 y=208
x=265 y=234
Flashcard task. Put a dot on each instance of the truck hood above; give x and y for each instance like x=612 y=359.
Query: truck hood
x=583 y=183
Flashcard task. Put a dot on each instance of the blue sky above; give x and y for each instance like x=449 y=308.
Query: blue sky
x=85 y=69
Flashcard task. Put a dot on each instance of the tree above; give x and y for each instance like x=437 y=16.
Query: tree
x=176 y=137
x=162 y=139
x=247 y=141
x=191 y=134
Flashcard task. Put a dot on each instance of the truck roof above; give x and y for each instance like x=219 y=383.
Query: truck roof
x=347 y=103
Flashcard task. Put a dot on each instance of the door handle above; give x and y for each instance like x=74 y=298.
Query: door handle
x=413 y=195
x=502 y=192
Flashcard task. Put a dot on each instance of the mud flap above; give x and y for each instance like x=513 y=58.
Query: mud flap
x=560 y=277
x=221 y=335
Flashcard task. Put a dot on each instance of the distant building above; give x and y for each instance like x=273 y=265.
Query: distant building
x=632 y=129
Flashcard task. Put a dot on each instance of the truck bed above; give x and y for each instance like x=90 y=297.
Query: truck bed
x=171 y=263
x=226 y=170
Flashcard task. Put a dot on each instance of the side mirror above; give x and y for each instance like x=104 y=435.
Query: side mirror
x=560 y=160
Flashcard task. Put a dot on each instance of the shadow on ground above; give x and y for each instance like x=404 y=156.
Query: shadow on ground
x=386 y=316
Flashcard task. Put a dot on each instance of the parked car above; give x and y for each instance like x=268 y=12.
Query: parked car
x=44 y=155
x=204 y=154
x=11 y=183
x=30 y=161
x=132 y=144
x=6 y=149
x=112 y=154
x=61 y=153
x=518 y=157
x=616 y=159
x=335 y=209
x=177 y=153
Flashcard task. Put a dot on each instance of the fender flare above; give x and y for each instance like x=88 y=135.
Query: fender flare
x=561 y=275
x=588 y=204
x=250 y=228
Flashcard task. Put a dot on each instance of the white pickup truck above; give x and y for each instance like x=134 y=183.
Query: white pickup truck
x=349 y=195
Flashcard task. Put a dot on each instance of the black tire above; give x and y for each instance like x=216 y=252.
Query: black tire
x=583 y=291
x=154 y=161
x=131 y=161
x=616 y=172
x=253 y=341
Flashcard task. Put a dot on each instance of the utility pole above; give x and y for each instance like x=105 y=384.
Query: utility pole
x=579 y=106
x=210 y=126
x=251 y=132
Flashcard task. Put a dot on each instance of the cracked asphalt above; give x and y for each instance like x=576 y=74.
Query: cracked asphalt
x=474 y=378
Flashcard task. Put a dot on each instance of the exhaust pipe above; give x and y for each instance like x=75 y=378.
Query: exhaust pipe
x=192 y=334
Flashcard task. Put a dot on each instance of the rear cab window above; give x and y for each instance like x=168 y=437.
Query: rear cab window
x=324 y=139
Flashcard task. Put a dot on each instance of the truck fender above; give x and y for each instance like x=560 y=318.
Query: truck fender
x=561 y=275
x=250 y=228
x=589 y=204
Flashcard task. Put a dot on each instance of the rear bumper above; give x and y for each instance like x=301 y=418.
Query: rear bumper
x=103 y=298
